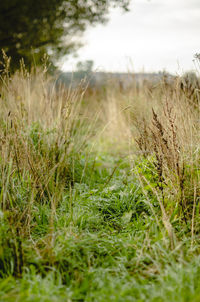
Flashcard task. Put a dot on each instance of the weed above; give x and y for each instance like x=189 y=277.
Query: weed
x=99 y=193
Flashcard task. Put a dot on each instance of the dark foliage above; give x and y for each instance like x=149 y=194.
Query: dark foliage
x=31 y=28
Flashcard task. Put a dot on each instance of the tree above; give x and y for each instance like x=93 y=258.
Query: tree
x=85 y=66
x=31 y=28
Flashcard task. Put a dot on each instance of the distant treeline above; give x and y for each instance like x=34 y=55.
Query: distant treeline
x=95 y=79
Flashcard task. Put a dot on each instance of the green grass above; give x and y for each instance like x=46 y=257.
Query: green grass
x=85 y=213
x=105 y=245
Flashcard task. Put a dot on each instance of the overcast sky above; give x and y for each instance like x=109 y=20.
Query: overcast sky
x=155 y=35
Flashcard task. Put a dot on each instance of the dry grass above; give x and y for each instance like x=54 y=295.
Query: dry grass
x=45 y=130
x=98 y=182
x=158 y=122
x=43 y=135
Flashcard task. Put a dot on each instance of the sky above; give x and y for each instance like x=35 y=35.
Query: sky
x=156 y=35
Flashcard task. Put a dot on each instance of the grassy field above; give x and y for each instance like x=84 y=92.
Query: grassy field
x=99 y=191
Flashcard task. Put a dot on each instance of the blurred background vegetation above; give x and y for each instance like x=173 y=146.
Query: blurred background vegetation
x=99 y=180
x=31 y=29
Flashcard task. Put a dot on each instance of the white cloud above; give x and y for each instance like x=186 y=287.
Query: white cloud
x=155 y=35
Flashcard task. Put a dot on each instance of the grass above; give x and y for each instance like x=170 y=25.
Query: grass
x=99 y=192
x=111 y=249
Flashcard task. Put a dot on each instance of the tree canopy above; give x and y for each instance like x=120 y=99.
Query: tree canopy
x=31 y=28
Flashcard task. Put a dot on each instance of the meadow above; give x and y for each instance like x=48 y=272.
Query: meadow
x=99 y=190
